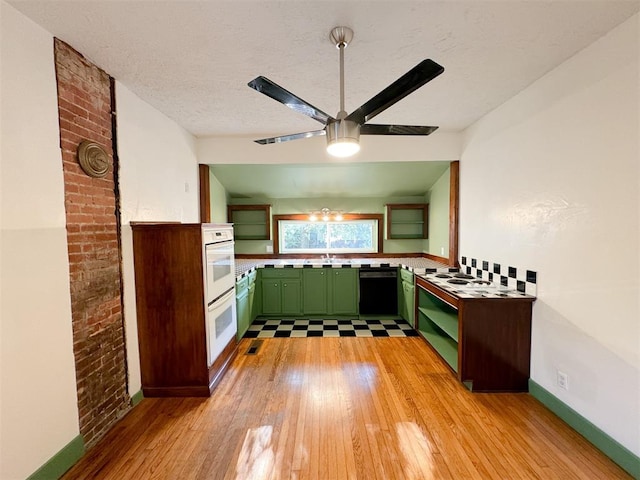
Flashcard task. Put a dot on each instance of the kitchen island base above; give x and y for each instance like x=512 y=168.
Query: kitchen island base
x=485 y=341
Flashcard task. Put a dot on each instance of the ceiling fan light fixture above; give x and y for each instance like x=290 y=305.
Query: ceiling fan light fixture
x=343 y=138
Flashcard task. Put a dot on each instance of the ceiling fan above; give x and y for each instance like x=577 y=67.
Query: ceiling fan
x=343 y=132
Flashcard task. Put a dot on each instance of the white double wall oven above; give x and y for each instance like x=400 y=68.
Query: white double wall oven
x=220 y=283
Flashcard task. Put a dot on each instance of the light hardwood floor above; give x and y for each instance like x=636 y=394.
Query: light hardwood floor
x=343 y=408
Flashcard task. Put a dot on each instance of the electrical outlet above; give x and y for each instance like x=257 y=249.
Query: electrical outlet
x=269 y=249
x=563 y=380
x=442 y=251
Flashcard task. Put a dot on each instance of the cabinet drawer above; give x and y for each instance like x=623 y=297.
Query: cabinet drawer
x=406 y=275
x=280 y=273
x=252 y=277
x=242 y=284
x=408 y=288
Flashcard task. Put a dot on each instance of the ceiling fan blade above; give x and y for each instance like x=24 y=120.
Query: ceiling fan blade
x=376 y=129
x=270 y=89
x=295 y=136
x=415 y=78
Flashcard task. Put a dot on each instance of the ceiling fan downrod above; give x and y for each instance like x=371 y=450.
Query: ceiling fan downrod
x=343 y=136
x=340 y=37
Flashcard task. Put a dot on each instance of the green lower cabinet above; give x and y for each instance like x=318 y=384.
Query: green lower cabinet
x=281 y=297
x=271 y=297
x=243 y=312
x=309 y=291
x=408 y=296
x=256 y=305
x=402 y=305
x=315 y=291
x=291 y=297
x=252 y=296
x=344 y=291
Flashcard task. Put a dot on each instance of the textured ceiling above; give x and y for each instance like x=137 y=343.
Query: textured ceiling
x=193 y=59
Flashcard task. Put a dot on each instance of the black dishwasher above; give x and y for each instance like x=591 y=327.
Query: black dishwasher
x=379 y=291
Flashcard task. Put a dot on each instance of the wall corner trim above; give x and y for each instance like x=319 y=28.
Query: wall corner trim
x=603 y=442
x=61 y=461
x=136 y=398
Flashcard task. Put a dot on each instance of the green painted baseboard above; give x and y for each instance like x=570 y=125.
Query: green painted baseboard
x=136 y=398
x=607 y=445
x=70 y=454
x=61 y=461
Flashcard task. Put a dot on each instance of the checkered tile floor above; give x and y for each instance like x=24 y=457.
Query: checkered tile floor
x=277 y=328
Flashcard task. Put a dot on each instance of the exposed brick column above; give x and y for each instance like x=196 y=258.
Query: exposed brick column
x=84 y=109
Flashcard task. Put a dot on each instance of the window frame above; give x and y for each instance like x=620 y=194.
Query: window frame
x=379 y=218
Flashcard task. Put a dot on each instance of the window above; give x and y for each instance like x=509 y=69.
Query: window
x=349 y=236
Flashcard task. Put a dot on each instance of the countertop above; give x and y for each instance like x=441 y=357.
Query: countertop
x=420 y=266
x=476 y=287
x=415 y=264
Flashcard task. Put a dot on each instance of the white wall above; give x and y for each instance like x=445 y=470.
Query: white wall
x=549 y=181
x=440 y=145
x=38 y=403
x=158 y=182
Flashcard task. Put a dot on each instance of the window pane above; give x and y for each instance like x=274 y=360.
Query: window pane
x=326 y=237
x=304 y=235
x=351 y=235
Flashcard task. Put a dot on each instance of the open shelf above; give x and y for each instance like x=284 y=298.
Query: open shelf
x=445 y=321
x=407 y=220
x=250 y=222
x=446 y=347
x=438 y=324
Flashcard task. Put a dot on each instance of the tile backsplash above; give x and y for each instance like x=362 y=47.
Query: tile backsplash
x=521 y=279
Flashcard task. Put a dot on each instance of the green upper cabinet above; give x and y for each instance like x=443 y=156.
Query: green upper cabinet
x=250 y=222
x=315 y=290
x=407 y=220
x=344 y=291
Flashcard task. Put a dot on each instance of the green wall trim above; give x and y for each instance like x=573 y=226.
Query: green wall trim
x=607 y=445
x=61 y=461
x=136 y=398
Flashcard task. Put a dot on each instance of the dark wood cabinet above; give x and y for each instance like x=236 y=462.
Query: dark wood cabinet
x=171 y=313
x=485 y=341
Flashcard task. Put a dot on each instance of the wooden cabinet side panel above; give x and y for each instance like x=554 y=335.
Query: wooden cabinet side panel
x=170 y=305
x=495 y=344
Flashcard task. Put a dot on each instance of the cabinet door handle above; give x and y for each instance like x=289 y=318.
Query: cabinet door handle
x=275 y=284
x=321 y=273
x=284 y=284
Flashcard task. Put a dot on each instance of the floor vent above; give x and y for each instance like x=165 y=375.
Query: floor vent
x=254 y=347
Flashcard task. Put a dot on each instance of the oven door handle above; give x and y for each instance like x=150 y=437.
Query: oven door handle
x=222 y=298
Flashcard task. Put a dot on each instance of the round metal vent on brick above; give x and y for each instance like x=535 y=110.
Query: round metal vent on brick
x=93 y=159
